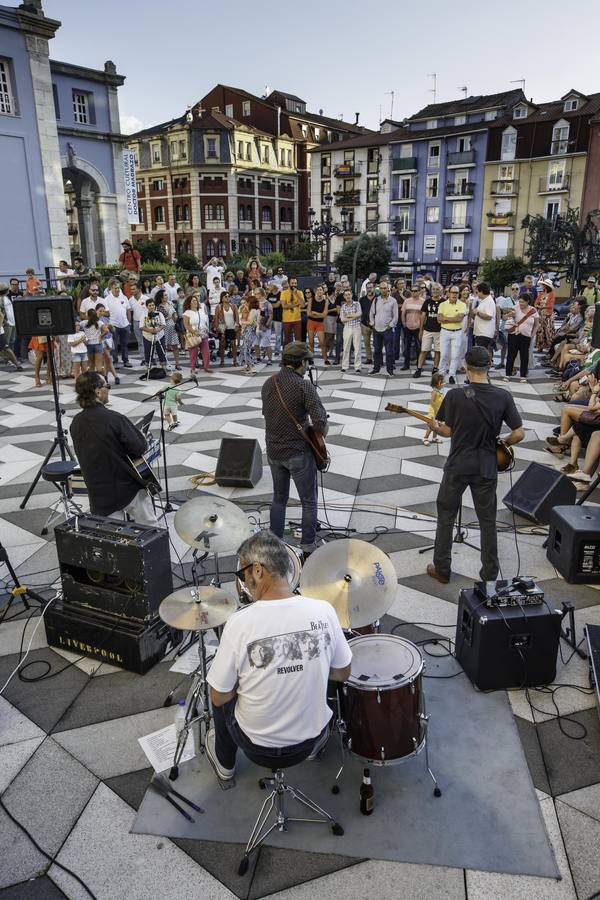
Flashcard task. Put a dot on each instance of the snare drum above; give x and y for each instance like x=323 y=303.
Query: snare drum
x=383 y=700
x=294 y=570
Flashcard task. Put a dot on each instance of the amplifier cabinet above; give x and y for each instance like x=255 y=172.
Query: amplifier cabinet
x=117 y=567
x=574 y=543
x=509 y=646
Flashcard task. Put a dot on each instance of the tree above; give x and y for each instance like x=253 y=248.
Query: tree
x=151 y=251
x=301 y=260
x=373 y=254
x=188 y=262
x=561 y=245
x=503 y=271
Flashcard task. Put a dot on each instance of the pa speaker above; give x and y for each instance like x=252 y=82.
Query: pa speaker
x=44 y=315
x=538 y=490
x=574 y=543
x=239 y=463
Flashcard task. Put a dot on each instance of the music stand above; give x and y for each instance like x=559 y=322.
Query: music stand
x=50 y=317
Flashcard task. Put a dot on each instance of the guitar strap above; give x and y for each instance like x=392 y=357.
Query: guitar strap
x=315 y=449
x=472 y=395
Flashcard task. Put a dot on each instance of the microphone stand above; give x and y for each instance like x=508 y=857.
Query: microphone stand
x=160 y=396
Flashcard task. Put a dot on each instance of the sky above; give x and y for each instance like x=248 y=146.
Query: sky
x=341 y=57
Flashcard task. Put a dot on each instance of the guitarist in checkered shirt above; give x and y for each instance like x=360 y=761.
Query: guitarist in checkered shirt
x=290 y=400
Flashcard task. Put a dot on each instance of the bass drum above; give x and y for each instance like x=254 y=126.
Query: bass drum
x=294 y=570
x=383 y=700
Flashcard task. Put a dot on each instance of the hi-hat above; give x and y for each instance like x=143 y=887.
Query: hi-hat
x=357 y=578
x=212 y=524
x=196 y=608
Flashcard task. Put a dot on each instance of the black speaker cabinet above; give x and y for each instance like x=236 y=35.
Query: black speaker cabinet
x=539 y=489
x=508 y=646
x=239 y=463
x=133 y=646
x=117 y=567
x=44 y=315
x=574 y=543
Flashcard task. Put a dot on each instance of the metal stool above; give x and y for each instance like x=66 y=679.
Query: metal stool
x=274 y=804
x=58 y=474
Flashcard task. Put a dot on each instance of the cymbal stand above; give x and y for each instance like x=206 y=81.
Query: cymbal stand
x=197 y=710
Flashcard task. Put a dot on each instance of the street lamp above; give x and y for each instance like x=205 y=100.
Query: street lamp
x=324 y=231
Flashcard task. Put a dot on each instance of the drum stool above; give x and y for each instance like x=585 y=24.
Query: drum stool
x=275 y=804
x=58 y=474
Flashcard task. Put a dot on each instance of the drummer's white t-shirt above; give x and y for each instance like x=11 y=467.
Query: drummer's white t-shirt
x=278 y=653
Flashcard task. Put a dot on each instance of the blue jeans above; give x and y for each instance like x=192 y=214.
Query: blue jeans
x=303 y=470
x=383 y=339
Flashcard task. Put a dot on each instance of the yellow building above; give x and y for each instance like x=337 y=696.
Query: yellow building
x=535 y=165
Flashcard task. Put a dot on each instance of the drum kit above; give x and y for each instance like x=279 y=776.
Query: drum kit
x=379 y=712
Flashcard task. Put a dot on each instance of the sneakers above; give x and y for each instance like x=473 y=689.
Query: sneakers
x=418 y=373
x=127 y=365
x=209 y=747
x=269 y=362
x=426 y=442
x=374 y=372
x=452 y=380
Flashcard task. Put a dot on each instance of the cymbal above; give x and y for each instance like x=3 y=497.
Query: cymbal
x=212 y=524
x=196 y=608
x=357 y=578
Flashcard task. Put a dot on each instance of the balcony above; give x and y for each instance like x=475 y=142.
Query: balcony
x=500 y=220
x=245 y=186
x=404 y=164
x=345 y=170
x=553 y=185
x=462 y=158
x=403 y=194
x=491 y=253
x=504 y=188
x=460 y=190
x=266 y=188
x=403 y=225
x=213 y=186
x=460 y=223
x=266 y=225
x=347 y=198
x=245 y=225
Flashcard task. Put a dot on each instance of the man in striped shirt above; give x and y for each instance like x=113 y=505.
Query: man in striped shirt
x=350 y=315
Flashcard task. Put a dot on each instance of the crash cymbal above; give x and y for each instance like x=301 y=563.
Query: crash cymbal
x=196 y=608
x=212 y=524
x=357 y=578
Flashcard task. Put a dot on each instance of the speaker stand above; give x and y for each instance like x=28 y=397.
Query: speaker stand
x=568 y=634
x=460 y=536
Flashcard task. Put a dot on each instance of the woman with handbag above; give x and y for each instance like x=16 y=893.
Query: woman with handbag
x=171 y=340
x=544 y=303
x=195 y=322
x=520 y=326
x=227 y=325
x=248 y=340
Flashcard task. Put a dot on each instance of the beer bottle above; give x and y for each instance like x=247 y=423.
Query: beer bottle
x=366 y=794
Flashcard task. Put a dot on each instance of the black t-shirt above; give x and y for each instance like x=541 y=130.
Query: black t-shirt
x=277 y=310
x=473 y=441
x=103 y=439
x=318 y=306
x=365 y=308
x=430 y=308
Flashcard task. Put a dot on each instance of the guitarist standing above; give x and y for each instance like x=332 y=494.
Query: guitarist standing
x=472 y=417
x=289 y=400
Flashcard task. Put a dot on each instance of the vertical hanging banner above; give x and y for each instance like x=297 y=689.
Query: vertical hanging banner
x=133 y=216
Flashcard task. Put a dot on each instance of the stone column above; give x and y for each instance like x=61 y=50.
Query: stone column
x=85 y=207
x=107 y=206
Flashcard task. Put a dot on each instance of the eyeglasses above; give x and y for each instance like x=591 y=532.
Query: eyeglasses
x=240 y=572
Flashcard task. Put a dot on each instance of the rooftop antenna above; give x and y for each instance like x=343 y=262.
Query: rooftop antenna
x=392 y=104
x=381 y=120
x=433 y=90
x=520 y=81
x=463 y=88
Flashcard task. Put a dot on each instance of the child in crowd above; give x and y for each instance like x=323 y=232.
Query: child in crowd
x=435 y=401
x=173 y=400
x=32 y=285
x=77 y=343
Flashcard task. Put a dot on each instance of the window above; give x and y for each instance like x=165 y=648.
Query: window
x=402 y=248
x=7 y=103
x=210 y=249
x=174 y=153
x=229 y=110
x=159 y=215
x=402 y=218
x=139 y=186
x=325 y=165
x=266 y=214
x=304 y=129
x=211 y=148
x=490 y=115
x=178 y=213
x=556 y=175
x=349 y=156
x=509 y=143
x=571 y=105
x=372 y=190
x=372 y=216
x=81 y=110
x=433 y=214
x=246 y=109
x=405 y=188
x=463 y=144
x=506 y=173
x=325 y=188
x=457 y=246
x=266 y=245
x=459 y=213
x=242 y=213
x=552 y=209
x=186 y=213
x=141 y=214
x=156 y=153
x=460 y=120
x=433 y=156
x=430 y=243
x=54 y=97
x=240 y=152
x=289 y=158
x=182 y=149
x=209 y=212
x=158 y=184
x=220 y=212
x=265 y=150
x=282 y=157
x=349 y=186
x=372 y=160
x=432 y=186
x=560 y=138
x=317 y=134
x=221 y=249
x=432 y=123
x=405 y=151
x=248 y=150
x=519 y=112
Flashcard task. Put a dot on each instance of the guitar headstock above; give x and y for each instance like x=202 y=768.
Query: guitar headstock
x=395 y=408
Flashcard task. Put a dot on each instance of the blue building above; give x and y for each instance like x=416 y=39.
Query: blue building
x=61 y=181
x=437 y=165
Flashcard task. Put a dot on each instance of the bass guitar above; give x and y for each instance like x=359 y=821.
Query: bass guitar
x=505 y=457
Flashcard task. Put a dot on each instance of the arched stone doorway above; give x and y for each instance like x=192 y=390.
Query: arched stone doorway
x=93 y=222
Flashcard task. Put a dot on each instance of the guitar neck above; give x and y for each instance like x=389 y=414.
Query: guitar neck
x=404 y=410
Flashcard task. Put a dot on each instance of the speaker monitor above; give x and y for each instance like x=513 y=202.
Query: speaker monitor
x=574 y=543
x=539 y=489
x=44 y=315
x=239 y=463
x=505 y=647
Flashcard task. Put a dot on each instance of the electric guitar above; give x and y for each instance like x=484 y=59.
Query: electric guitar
x=143 y=470
x=505 y=457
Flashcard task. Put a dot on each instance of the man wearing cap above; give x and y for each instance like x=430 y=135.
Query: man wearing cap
x=472 y=418
x=289 y=400
x=130 y=259
x=590 y=291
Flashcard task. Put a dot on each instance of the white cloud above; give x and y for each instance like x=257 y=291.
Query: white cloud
x=129 y=124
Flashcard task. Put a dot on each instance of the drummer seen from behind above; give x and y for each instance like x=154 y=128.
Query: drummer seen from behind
x=268 y=680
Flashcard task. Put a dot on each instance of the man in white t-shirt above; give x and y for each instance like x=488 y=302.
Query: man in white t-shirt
x=372 y=277
x=269 y=678
x=171 y=287
x=137 y=305
x=214 y=268
x=214 y=294
x=117 y=305
x=484 y=315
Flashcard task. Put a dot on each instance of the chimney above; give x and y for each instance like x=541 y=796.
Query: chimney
x=356 y=117
x=320 y=112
